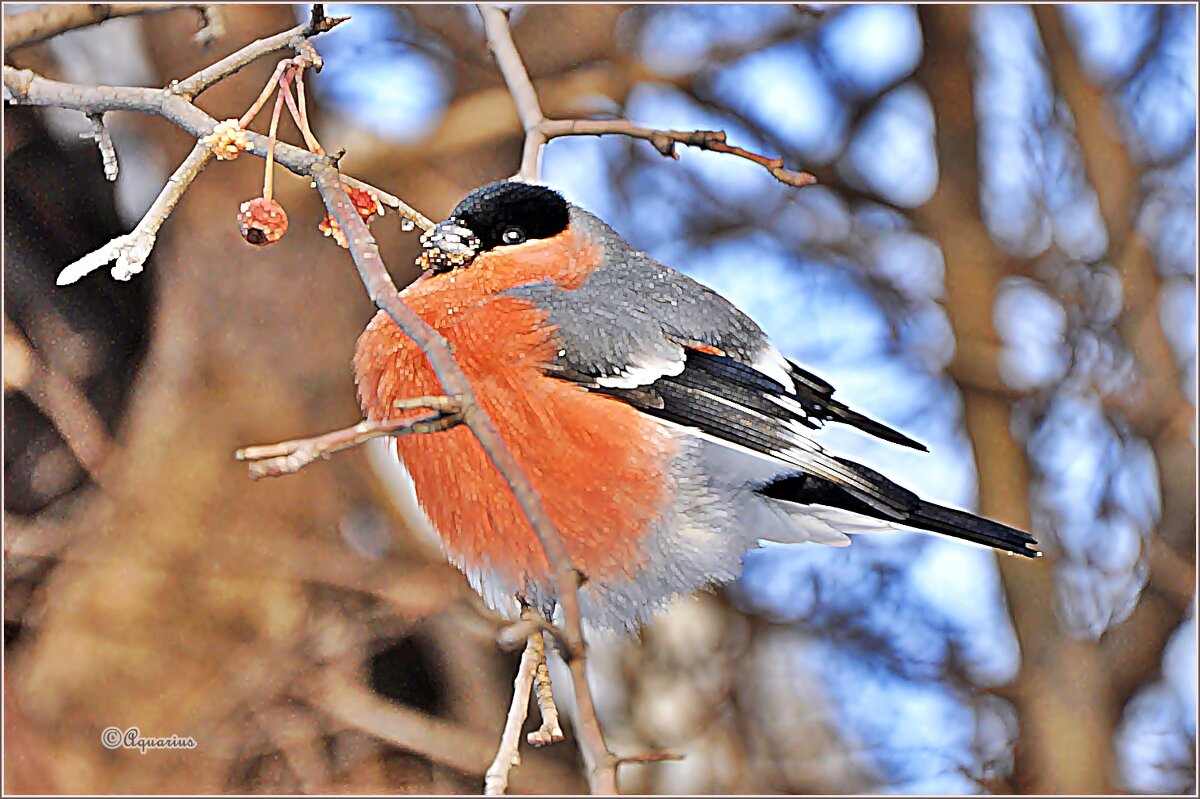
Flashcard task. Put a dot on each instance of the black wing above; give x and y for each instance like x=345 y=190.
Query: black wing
x=740 y=406
x=811 y=402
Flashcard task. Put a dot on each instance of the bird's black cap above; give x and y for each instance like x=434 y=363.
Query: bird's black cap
x=510 y=212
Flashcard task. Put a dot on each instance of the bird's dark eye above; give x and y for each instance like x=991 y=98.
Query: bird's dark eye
x=512 y=235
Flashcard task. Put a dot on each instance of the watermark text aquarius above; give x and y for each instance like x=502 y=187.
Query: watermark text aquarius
x=117 y=738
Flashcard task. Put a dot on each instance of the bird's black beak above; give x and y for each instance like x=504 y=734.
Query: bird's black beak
x=450 y=245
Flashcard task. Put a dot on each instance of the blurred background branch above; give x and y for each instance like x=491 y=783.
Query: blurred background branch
x=30 y=27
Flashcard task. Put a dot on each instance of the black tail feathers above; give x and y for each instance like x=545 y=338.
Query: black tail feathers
x=969 y=527
x=914 y=512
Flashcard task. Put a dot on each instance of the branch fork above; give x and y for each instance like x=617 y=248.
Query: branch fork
x=131 y=251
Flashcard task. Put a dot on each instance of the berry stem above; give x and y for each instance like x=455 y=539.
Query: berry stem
x=268 y=182
x=299 y=116
x=253 y=110
x=304 y=126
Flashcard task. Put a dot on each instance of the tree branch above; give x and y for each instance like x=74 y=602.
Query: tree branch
x=341 y=697
x=24 y=87
x=131 y=250
x=174 y=104
x=1157 y=409
x=512 y=66
x=294 y=39
x=384 y=294
x=31 y=27
x=665 y=140
x=287 y=457
x=539 y=130
x=1064 y=741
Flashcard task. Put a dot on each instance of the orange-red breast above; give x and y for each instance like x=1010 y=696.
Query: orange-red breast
x=664 y=433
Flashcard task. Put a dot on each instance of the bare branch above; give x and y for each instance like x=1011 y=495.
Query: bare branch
x=131 y=250
x=275 y=460
x=174 y=104
x=665 y=140
x=39 y=24
x=495 y=780
x=539 y=130
x=24 y=87
x=512 y=66
x=516 y=634
x=516 y=77
x=1157 y=409
x=294 y=39
x=383 y=292
x=214 y=25
x=650 y=757
x=103 y=140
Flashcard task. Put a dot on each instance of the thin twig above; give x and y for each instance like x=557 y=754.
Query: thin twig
x=516 y=77
x=665 y=141
x=402 y=208
x=302 y=122
x=286 y=457
x=103 y=140
x=348 y=702
x=495 y=780
x=539 y=130
x=514 y=635
x=300 y=113
x=295 y=39
x=512 y=66
x=214 y=25
x=307 y=55
x=650 y=757
x=174 y=104
x=39 y=24
x=131 y=250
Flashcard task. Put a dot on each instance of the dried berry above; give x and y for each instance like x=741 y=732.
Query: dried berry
x=227 y=140
x=262 y=221
x=330 y=227
x=365 y=202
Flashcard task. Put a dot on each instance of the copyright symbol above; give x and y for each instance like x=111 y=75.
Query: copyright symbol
x=112 y=737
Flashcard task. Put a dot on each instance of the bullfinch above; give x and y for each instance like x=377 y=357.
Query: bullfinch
x=664 y=433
